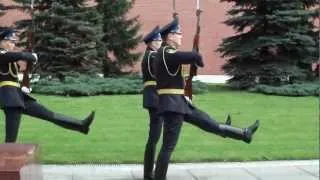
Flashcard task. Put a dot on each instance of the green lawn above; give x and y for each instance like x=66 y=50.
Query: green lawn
x=289 y=129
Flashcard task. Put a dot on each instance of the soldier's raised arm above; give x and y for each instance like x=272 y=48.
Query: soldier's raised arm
x=7 y=44
x=7 y=57
x=175 y=57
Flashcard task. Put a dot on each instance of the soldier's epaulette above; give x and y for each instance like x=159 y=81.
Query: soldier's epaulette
x=3 y=51
x=171 y=50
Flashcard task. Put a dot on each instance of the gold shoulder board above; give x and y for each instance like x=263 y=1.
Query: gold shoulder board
x=3 y=51
x=171 y=51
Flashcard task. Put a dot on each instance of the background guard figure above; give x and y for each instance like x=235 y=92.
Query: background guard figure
x=153 y=41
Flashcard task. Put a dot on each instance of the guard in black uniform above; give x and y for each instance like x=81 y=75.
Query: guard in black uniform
x=174 y=107
x=14 y=102
x=153 y=41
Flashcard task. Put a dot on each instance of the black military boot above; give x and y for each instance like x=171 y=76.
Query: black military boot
x=228 y=120
x=244 y=134
x=87 y=122
x=147 y=175
x=72 y=123
x=148 y=178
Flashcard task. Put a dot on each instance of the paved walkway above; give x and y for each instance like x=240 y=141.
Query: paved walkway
x=267 y=170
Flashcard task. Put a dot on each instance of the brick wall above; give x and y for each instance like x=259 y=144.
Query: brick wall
x=11 y=16
x=159 y=12
x=153 y=12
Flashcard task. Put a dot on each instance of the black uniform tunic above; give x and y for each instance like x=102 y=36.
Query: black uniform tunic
x=10 y=92
x=150 y=96
x=170 y=82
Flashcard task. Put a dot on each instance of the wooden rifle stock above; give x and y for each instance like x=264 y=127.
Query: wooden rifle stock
x=26 y=80
x=193 y=67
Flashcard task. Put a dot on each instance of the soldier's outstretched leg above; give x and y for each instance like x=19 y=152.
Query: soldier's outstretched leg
x=32 y=108
x=13 y=116
x=244 y=134
x=155 y=127
x=172 y=123
x=203 y=121
x=207 y=123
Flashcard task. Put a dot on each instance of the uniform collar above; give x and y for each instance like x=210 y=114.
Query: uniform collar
x=168 y=45
x=150 y=49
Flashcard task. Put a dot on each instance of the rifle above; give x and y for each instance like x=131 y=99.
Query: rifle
x=195 y=48
x=175 y=14
x=25 y=84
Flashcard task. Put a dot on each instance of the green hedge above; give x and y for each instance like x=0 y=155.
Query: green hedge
x=81 y=85
x=302 y=89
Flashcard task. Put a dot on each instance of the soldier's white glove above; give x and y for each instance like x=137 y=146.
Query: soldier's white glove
x=36 y=56
x=26 y=90
x=188 y=99
x=20 y=76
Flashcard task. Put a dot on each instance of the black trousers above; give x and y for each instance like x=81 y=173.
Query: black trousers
x=172 y=123
x=172 y=127
x=155 y=127
x=171 y=131
x=12 y=120
x=203 y=121
x=34 y=109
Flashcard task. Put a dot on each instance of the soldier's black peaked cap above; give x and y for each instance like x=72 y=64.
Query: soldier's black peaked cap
x=153 y=35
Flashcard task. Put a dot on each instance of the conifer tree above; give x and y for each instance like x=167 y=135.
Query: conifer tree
x=120 y=35
x=274 y=42
x=66 y=36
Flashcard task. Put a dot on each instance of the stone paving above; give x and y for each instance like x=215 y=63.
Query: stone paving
x=264 y=170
